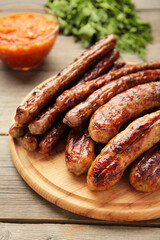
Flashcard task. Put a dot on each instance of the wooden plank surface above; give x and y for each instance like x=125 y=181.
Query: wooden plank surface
x=140 y=4
x=147 y=4
x=19 y=203
x=76 y=232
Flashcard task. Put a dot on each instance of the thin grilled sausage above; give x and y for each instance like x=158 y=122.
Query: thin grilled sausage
x=101 y=67
x=79 y=151
x=145 y=173
x=80 y=113
x=117 y=66
x=17 y=130
x=44 y=120
x=108 y=119
x=29 y=142
x=77 y=94
x=52 y=137
x=109 y=166
x=44 y=94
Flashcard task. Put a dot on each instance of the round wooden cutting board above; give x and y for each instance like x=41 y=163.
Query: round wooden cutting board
x=49 y=177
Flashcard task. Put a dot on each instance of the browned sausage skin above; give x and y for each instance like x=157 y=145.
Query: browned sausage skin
x=29 y=142
x=101 y=67
x=145 y=173
x=44 y=120
x=117 y=66
x=17 y=130
x=79 y=151
x=80 y=113
x=44 y=94
x=52 y=137
x=108 y=119
x=124 y=148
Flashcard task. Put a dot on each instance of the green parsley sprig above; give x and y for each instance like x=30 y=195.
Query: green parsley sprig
x=91 y=20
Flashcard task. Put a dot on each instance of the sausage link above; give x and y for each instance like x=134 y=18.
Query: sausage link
x=52 y=138
x=122 y=150
x=117 y=66
x=108 y=119
x=30 y=142
x=145 y=173
x=44 y=120
x=77 y=94
x=101 y=67
x=79 y=151
x=80 y=113
x=44 y=94
x=17 y=130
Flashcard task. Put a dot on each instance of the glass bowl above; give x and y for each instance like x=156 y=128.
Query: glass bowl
x=28 y=53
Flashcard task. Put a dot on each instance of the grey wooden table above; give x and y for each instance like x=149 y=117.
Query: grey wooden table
x=23 y=213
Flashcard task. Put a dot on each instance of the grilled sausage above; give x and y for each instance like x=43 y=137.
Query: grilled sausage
x=44 y=94
x=117 y=66
x=44 y=120
x=107 y=120
x=29 y=142
x=101 y=67
x=145 y=173
x=52 y=137
x=77 y=94
x=17 y=130
x=124 y=148
x=79 y=151
x=80 y=113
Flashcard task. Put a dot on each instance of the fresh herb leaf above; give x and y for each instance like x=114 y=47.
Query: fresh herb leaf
x=91 y=20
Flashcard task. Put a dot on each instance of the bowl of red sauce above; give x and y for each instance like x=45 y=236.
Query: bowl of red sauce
x=27 y=34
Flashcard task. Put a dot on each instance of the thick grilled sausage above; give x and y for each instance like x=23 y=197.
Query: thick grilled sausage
x=44 y=94
x=77 y=94
x=29 y=142
x=79 y=151
x=52 y=137
x=108 y=119
x=101 y=67
x=145 y=173
x=17 y=130
x=44 y=120
x=122 y=150
x=80 y=113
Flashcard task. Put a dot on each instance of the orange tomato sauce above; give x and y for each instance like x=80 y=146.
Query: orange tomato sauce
x=26 y=38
